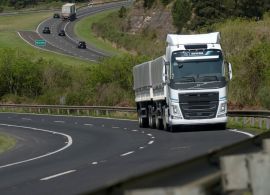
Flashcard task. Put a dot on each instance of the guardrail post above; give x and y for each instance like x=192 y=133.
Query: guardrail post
x=168 y=191
x=266 y=146
x=68 y=112
x=252 y=123
x=38 y=110
x=244 y=121
x=49 y=111
x=107 y=112
x=78 y=112
x=260 y=122
x=259 y=171
x=234 y=172
x=58 y=111
x=97 y=112
x=88 y=112
x=268 y=124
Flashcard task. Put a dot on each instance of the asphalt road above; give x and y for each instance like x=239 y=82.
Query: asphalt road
x=72 y=155
x=67 y=45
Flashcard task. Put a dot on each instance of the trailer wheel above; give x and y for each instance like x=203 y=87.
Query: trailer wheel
x=151 y=121
x=165 y=124
x=159 y=123
x=142 y=121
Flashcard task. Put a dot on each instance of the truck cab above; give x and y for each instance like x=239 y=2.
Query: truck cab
x=197 y=80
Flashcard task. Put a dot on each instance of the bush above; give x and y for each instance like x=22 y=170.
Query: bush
x=264 y=96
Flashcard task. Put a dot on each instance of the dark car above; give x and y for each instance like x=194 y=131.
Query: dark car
x=56 y=15
x=62 y=33
x=82 y=45
x=46 y=30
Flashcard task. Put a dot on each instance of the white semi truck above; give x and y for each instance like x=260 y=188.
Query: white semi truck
x=186 y=86
x=68 y=11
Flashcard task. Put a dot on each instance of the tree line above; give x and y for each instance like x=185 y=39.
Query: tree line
x=193 y=14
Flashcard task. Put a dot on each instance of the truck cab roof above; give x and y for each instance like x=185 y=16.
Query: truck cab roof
x=210 y=38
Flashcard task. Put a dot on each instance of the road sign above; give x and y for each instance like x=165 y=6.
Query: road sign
x=40 y=42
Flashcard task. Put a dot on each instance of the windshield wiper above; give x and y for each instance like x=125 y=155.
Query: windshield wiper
x=207 y=78
x=187 y=79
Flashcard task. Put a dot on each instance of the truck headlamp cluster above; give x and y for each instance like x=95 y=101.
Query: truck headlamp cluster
x=176 y=111
x=222 y=109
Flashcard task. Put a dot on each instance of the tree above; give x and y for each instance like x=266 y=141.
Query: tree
x=181 y=13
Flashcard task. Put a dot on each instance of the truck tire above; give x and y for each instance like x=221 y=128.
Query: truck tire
x=151 y=121
x=159 y=123
x=143 y=122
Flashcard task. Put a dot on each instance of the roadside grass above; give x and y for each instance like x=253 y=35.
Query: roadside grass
x=257 y=128
x=9 y=25
x=83 y=29
x=6 y=143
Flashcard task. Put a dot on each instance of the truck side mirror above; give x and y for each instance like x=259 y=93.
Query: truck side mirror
x=230 y=71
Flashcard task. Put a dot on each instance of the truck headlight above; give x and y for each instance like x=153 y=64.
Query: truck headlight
x=222 y=109
x=175 y=111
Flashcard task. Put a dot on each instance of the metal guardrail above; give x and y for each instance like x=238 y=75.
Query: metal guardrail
x=247 y=118
x=203 y=171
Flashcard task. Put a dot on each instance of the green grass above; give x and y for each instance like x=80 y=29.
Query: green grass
x=83 y=30
x=239 y=124
x=9 y=25
x=6 y=143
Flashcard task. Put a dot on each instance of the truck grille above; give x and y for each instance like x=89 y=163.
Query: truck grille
x=199 y=105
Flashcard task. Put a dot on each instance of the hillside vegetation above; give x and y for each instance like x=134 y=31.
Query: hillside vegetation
x=245 y=40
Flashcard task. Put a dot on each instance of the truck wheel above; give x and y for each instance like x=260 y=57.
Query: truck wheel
x=159 y=123
x=165 y=124
x=151 y=121
x=139 y=118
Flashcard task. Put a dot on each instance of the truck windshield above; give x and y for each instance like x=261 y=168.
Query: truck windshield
x=197 y=65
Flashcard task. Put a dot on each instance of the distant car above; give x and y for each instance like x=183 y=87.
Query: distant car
x=62 y=33
x=82 y=45
x=46 y=30
x=56 y=15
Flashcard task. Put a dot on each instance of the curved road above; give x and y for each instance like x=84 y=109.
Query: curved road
x=67 y=45
x=71 y=155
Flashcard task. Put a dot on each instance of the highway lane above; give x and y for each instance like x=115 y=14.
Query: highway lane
x=102 y=151
x=68 y=44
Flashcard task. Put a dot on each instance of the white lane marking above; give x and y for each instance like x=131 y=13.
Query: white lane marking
x=26 y=119
x=142 y=147
x=94 y=163
x=151 y=142
x=242 y=132
x=59 y=121
x=115 y=127
x=149 y=134
x=125 y=128
x=88 y=124
x=152 y=137
x=135 y=130
x=42 y=156
x=128 y=153
x=57 y=175
x=142 y=131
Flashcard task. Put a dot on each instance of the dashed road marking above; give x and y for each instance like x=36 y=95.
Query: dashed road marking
x=135 y=130
x=115 y=127
x=128 y=153
x=26 y=119
x=59 y=121
x=151 y=142
x=57 y=175
x=94 y=163
x=88 y=124
x=149 y=134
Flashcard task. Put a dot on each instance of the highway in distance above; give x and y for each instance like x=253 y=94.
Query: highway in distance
x=73 y=155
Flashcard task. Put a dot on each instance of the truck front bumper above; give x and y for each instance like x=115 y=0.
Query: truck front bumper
x=177 y=121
